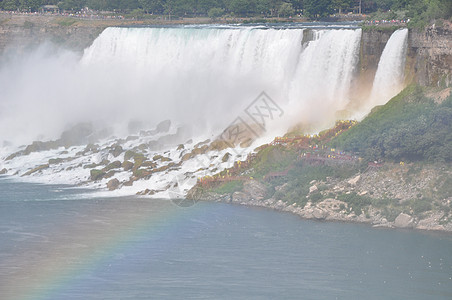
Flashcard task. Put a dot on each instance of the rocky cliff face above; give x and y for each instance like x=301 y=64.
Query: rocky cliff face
x=75 y=38
x=431 y=52
x=18 y=32
x=429 y=60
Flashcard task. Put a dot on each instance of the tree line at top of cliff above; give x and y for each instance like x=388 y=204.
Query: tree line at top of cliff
x=418 y=10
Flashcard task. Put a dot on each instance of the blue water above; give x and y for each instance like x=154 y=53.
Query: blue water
x=133 y=248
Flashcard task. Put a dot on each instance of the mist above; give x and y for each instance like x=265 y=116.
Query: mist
x=197 y=78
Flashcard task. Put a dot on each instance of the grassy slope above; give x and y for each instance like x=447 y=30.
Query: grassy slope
x=410 y=127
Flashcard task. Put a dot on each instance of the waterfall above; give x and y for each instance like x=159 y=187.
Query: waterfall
x=389 y=77
x=325 y=69
x=201 y=76
x=219 y=71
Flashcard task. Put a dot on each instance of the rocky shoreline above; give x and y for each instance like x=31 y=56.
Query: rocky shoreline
x=253 y=195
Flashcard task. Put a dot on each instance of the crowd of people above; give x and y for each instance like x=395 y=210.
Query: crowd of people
x=82 y=14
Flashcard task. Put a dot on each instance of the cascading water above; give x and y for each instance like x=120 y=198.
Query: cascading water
x=389 y=77
x=321 y=83
x=198 y=77
x=204 y=77
x=219 y=71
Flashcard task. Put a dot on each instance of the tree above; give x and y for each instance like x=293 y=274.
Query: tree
x=151 y=6
x=9 y=5
x=268 y=6
x=203 y=6
x=243 y=7
x=286 y=10
x=74 y=5
x=317 y=9
x=29 y=5
x=340 y=5
x=215 y=12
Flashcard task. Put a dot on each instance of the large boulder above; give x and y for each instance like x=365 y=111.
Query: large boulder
x=37 y=169
x=96 y=174
x=37 y=146
x=113 y=184
x=127 y=165
x=254 y=189
x=404 y=221
x=354 y=180
x=116 y=150
x=114 y=165
x=313 y=189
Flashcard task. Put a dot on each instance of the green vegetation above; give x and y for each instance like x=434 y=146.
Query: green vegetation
x=389 y=29
x=421 y=12
x=355 y=202
x=410 y=127
x=65 y=22
x=229 y=187
x=272 y=159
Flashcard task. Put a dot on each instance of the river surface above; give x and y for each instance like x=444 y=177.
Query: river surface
x=58 y=242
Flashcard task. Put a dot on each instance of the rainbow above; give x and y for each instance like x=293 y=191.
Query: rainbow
x=60 y=264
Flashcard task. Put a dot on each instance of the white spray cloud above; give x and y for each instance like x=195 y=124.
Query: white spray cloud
x=202 y=77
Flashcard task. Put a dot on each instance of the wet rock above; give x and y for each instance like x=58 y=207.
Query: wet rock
x=141 y=173
x=113 y=184
x=90 y=166
x=14 y=155
x=128 y=183
x=195 y=152
x=38 y=146
x=180 y=147
x=129 y=154
x=142 y=147
x=91 y=148
x=226 y=157
x=114 y=165
x=149 y=164
x=127 y=165
x=54 y=161
x=246 y=143
x=110 y=174
x=219 y=145
x=96 y=174
x=148 y=192
x=39 y=168
x=142 y=193
x=202 y=143
x=4 y=171
x=160 y=157
x=138 y=161
x=116 y=150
